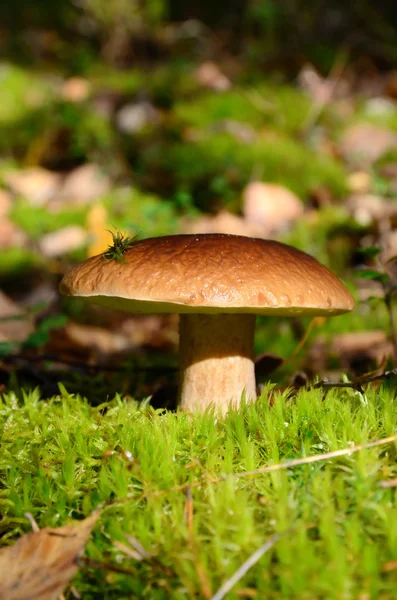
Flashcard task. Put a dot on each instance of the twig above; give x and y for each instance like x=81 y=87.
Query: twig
x=317 y=457
x=356 y=385
x=138 y=547
x=247 y=565
x=97 y=564
x=32 y=521
x=265 y=469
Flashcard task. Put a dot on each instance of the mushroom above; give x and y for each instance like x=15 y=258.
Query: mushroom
x=217 y=283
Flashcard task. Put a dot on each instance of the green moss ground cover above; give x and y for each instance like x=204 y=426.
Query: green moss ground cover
x=61 y=458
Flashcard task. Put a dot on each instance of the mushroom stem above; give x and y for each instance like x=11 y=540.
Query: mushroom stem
x=216 y=360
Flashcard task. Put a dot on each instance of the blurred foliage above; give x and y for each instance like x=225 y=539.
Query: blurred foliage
x=263 y=30
x=57 y=134
x=279 y=105
x=21 y=90
x=15 y=262
x=214 y=168
x=200 y=145
x=142 y=213
x=193 y=152
x=37 y=220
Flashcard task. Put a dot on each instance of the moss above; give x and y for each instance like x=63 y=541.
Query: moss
x=21 y=91
x=59 y=134
x=14 y=262
x=61 y=457
x=145 y=214
x=123 y=82
x=280 y=106
x=36 y=221
x=215 y=168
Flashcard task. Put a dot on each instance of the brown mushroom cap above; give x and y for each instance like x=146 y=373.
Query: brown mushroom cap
x=210 y=273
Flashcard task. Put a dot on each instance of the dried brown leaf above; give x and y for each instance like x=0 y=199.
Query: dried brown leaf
x=64 y=240
x=363 y=143
x=76 y=89
x=41 y=564
x=210 y=76
x=36 y=184
x=224 y=222
x=389 y=566
x=15 y=324
x=270 y=205
x=388 y=483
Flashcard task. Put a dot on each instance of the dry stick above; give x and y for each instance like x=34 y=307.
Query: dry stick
x=265 y=469
x=83 y=561
x=356 y=385
x=247 y=565
x=32 y=521
x=318 y=457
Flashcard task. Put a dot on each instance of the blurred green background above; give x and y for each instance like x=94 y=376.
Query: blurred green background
x=154 y=118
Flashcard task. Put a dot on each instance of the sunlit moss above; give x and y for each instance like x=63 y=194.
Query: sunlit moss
x=61 y=458
x=22 y=91
x=214 y=168
x=282 y=107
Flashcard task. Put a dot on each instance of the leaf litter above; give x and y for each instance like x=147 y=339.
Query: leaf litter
x=41 y=564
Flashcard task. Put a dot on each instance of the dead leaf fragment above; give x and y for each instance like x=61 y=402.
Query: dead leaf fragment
x=210 y=76
x=41 y=564
x=364 y=143
x=76 y=89
x=5 y=203
x=272 y=206
x=10 y=234
x=368 y=208
x=388 y=483
x=224 y=222
x=133 y=117
x=82 y=186
x=36 y=184
x=15 y=324
x=354 y=350
x=359 y=182
x=358 y=341
x=98 y=339
x=391 y=565
x=63 y=240
x=320 y=89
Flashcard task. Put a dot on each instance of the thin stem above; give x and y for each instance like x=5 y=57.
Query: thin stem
x=247 y=565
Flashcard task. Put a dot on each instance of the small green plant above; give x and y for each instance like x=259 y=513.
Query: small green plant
x=121 y=243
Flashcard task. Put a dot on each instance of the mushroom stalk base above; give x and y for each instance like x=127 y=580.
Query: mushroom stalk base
x=216 y=360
